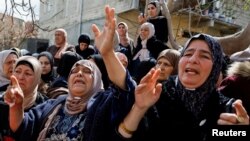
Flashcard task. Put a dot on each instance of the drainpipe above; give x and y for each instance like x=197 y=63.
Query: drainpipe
x=81 y=13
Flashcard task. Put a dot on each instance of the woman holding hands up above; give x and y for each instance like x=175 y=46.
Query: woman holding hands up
x=186 y=106
x=87 y=113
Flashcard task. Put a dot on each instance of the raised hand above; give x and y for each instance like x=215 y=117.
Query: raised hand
x=104 y=39
x=239 y=118
x=148 y=91
x=13 y=95
x=142 y=18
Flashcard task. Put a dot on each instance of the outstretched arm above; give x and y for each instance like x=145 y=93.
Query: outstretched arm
x=146 y=95
x=104 y=41
x=239 y=118
x=14 y=97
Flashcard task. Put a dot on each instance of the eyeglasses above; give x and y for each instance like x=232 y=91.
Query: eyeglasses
x=84 y=70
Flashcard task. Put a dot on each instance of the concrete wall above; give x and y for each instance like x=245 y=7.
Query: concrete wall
x=77 y=16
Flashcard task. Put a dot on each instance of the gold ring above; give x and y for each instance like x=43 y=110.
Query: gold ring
x=239 y=119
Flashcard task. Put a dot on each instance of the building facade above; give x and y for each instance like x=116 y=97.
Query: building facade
x=77 y=16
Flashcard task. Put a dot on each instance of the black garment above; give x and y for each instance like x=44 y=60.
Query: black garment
x=86 y=52
x=3 y=88
x=161 y=28
x=4 y=121
x=190 y=114
x=100 y=64
x=142 y=69
x=127 y=50
x=53 y=50
x=169 y=118
x=66 y=62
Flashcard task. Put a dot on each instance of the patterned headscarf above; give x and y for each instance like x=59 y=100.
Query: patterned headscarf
x=73 y=105
x=195 y=100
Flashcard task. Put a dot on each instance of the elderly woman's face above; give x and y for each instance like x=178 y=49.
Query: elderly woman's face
x=59 y=38
x=195 y=65
x=144 y=33
x=152 y=10
x=166 y=68
x=25 y=76
x=80 y=81
x=8 y=64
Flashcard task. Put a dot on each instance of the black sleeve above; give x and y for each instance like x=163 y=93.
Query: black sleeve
x=4 y=116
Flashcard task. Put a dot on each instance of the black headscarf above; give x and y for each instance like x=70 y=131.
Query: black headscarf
x=67 y=61
x=49 y=77
x=195 y=100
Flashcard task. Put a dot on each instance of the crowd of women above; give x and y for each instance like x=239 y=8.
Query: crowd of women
x=121 y=90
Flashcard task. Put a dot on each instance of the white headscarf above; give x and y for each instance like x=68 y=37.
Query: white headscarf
x=3 y=55
x=143 y=54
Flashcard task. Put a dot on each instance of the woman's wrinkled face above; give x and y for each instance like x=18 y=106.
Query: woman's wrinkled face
x=59 y=38
x=144 y=33
x=165 y=67
x=8 y=64
x=25 y=76
x=80 y=81
x=46 y=66
x=195 y=65
x=152 y=10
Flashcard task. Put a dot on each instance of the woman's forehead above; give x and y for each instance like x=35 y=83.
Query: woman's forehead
x=151 y=5
x=83 y=65
x=145 y=27
x=24 y=66
x=198 y=44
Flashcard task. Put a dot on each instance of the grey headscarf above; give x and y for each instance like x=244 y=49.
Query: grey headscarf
x=195 y=100
x=3 y=55
x=74 y=106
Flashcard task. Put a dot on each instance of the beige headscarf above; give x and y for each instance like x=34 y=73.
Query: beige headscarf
x=173 y=56
x=30 y=98
x=62 y=48
x=76 y=105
